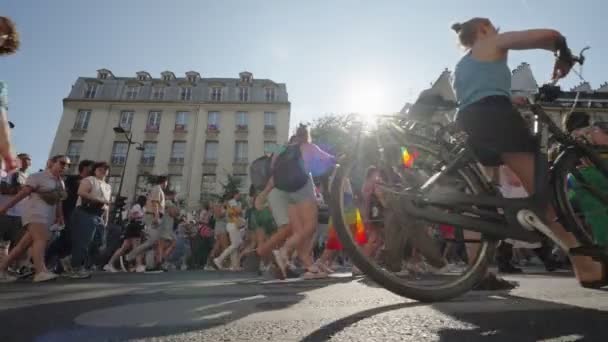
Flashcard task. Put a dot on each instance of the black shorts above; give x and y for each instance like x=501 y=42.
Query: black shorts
x=495 y=126
x=134 y=230
x=11 y=229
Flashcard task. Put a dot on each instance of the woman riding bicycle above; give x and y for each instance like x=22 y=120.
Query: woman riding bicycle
x=497 y=132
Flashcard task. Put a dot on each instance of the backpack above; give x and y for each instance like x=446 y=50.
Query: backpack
x=260 y=172
x=289 y=173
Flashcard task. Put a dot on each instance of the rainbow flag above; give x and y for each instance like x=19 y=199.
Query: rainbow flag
x=408 y=158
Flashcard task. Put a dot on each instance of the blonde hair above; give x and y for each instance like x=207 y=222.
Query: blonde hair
x=467 y=31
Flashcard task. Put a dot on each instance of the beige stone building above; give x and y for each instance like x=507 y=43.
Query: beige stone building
x=195 y=130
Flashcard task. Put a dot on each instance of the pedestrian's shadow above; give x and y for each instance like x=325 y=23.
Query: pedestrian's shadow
x=491 y=320
x=151 y=311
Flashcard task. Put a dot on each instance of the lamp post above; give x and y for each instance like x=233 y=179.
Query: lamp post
x=118 y=129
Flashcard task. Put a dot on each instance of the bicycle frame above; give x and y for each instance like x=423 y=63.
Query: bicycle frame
x=488 y=221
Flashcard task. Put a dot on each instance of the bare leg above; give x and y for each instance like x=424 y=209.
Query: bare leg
x=17 y=251
x=125 y=246
x=276 y=240
x=40 y=237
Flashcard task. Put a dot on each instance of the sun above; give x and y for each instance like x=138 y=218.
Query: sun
x=367 y=99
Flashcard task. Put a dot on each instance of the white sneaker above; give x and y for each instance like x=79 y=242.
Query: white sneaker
x=66 y=264
x=314 y=273
x=280 y=263
x=7 y=278
x=140 y=269
x=44 y=276
x=217 y=264
x=110 y=268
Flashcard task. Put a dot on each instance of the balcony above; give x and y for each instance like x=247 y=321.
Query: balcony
x=180 y=129
x=118 y=160
x=240 y=167
x=78 y=132
x=213 y=132
x=146 y=164
x=209 y=166
x=270 y=132
x=241 y=132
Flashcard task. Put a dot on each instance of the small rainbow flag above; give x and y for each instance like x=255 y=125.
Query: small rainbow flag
x=408 y=158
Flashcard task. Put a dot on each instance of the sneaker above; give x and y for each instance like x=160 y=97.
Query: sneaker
x=509 y=269
x=44 y=276
x=140 y=269
x=110 y=268
x=216 y=264
x=7 y=278
x=66 y=264
x=493 y=283
x=123 y=263
x=78 y=274
x=280 y=263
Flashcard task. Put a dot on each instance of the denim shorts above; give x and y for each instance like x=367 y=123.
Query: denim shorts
x=280 y=200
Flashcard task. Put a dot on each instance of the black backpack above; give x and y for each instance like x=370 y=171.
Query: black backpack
x=288 y=172
x=260 y=172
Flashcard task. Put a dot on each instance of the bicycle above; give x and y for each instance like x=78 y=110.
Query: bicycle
x=473 y=202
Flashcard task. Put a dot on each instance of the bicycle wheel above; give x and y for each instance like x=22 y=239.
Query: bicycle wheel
x=581 y=192
x=426 y=286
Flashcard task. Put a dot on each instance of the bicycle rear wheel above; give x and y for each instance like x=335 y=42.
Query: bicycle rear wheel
x=581 y=192
x=420 y=235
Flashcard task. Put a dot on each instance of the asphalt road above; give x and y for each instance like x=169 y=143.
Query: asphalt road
x=215 y=306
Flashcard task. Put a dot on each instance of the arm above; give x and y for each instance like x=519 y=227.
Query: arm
x=6 y=151
x=59 y=219
x=106 y=216
x=84 y=191
x=530 y=39
x=25 y=191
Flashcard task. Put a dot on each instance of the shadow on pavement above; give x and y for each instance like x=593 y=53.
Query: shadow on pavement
x=145 y=312
x=535 y=320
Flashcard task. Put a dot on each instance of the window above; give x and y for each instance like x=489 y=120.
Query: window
x=208 y=184
x=119 y=153
x=73 y=152
x=131 y=92
x=211 y=149
x=126 y=119
x=114 y=182
x=186 y=93
x=181 y=121
x=270 y=120
x=175 y=183
x=242 y=120
x=90 y=91
x=192 y=78
x=158 y=93
x=240 y=152
x=269 y=147
x=142 y=185
x=82 y=119
x=243 y=94
x=269 y=94
x=153 y=121
x=178 y=152
x=213 y=121
x=149 y=153
x=216 y=94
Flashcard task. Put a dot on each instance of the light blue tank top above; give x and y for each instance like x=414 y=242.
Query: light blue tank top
x=474 y=80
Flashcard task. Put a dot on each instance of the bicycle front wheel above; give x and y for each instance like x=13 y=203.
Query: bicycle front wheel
x=423 y=283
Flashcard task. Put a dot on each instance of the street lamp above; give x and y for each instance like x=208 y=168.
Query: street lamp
x=120 y=130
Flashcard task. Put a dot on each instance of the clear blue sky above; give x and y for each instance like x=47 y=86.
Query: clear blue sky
x=335 y=56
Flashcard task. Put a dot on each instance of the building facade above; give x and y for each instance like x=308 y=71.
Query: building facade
x=195 y=130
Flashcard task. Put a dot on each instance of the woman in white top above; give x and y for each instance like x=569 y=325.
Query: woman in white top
x=44 y=191
x=91 y=213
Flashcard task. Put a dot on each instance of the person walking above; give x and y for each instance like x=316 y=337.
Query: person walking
x=9 y=43
x=11 y=229
x=132 y=235
x=91 y=215
x=234 y=215
x=154 y=211
x=44 y=191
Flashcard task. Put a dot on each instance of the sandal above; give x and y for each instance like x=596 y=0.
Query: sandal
x=596 y=284
x=314 y=272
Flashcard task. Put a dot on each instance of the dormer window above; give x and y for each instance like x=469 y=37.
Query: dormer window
x=244 y=94
x=90 y=91
x=143 y=76
x=216 y=94
x=167 y=76
x=246 y=77
x=104 y=74
x=192 y=76
x=131 y=92
x=270 y=94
